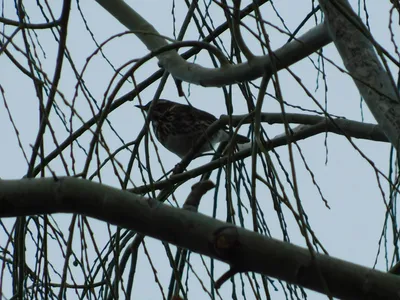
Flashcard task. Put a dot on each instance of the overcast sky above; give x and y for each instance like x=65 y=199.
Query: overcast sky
x=350 y=230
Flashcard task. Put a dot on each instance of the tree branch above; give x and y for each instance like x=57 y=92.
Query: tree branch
x=244 y=249
x=314 y=125
x=355 y=46
x=285 y=56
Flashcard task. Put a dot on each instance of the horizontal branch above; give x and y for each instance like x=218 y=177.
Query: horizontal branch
x=29 y=25
x=355 y=129
x=242 y=249
x=314 y=126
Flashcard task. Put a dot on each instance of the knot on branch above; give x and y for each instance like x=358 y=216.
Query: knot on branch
x=225 y=242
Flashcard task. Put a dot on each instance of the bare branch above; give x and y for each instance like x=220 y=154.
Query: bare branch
x=244 y=249
x=374 y=82
x=194 y=73
x=198 y=191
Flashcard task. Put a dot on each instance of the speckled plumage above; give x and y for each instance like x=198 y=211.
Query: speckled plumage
x=178 y=127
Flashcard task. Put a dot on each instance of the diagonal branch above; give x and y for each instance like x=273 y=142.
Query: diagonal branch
x=247 y=251
x=356 y=47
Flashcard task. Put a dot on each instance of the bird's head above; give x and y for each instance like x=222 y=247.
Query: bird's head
x=160 y=107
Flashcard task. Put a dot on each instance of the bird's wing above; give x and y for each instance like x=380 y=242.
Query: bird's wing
x=195 y=118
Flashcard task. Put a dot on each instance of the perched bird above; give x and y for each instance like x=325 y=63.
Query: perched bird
x=178 y=127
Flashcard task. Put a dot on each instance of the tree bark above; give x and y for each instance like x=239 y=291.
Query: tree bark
x=357 y=49
x=242 y=249
x=285 y=56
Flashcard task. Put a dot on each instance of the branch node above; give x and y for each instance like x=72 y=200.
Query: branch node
x=224 y=277
x=198 y=191
x=225 y=242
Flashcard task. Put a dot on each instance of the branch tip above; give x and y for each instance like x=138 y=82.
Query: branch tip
x=198 y=191
x=224 y=277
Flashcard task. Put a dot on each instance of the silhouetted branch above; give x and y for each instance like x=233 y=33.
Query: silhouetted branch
x=285 y=56
x=245 y=250
x=198 y=191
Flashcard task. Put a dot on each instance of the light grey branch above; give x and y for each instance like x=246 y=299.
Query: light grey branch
x=352 y=129
x=194 y=73
x=373 y=81
x=242 y=249
x=314 y=125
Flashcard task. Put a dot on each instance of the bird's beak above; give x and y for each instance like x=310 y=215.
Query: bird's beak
x=143 y=107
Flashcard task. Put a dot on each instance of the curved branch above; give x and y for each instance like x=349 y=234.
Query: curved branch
x=236 y=31
x=130 y=95
x=44 y=122
x=194 y=73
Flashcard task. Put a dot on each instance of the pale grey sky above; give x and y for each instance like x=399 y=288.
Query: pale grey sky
x=350 y=230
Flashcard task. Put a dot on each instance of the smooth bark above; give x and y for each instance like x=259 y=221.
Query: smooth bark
x=242 y=249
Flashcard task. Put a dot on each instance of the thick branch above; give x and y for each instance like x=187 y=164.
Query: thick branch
x=375 y=84
x=241 y=248
x=180 y=69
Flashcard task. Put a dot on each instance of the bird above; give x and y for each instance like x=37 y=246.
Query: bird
x=179 y=126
